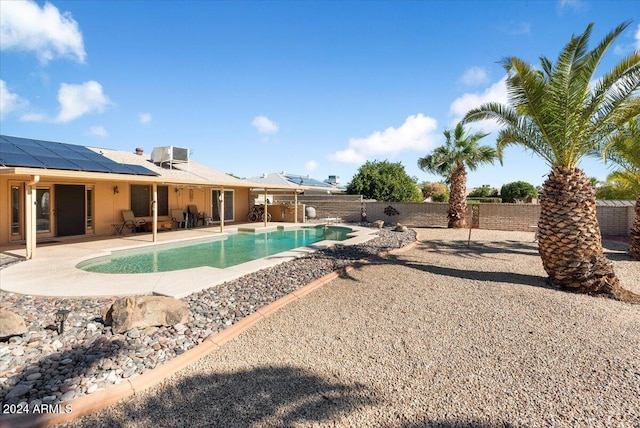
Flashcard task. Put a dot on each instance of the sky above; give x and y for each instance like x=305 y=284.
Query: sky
x=253 y=87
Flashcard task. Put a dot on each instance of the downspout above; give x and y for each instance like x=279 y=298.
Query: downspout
x=30 y=214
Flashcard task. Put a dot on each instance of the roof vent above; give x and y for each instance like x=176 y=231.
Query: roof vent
x=170 y=155
x=139 y=151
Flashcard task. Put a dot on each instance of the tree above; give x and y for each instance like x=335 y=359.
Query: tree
x=624 y=151
x=518 y=190
x=484 y=191
x=562 y=113
x=384 y=181
x=449 y=161
x=438 y=191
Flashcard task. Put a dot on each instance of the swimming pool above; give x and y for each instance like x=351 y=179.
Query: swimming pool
x=220 y=252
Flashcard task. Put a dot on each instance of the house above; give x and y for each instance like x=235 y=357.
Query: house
x=305 y=184
x=51 y=190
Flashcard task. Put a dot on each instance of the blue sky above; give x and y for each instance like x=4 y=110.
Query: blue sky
x=307 y=87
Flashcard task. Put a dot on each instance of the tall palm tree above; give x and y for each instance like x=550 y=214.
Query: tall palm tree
x=624 y=151
x=449 y=161
x=561 y=113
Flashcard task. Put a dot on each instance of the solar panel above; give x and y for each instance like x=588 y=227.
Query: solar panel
x=24 y=152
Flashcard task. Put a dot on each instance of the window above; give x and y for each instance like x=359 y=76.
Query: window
x=42 y=203
x=89 y=200
x=228 y=205
x=15 y=209
x=141 y=196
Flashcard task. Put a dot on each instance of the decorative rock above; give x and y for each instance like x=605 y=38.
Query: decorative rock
x=144 y=311
x=400 y=228
x=18 y=391
x=11 y=324
x=378 y=223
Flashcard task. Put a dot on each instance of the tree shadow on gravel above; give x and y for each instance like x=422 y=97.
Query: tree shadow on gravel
x=480 y=249
x=271 y=396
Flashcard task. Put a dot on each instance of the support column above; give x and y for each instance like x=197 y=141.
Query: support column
x=266 y=207
x=221 y=198
x=30 y=228
x=154 y=212
x=295 y=206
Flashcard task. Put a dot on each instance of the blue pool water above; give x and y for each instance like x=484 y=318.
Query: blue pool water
x=220 y=252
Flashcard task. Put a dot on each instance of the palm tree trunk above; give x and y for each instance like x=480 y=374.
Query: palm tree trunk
x=569 y=239
x=458 y=198
x=634 y=236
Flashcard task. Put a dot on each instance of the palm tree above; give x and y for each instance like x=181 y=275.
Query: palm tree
x=449 y=161
x=624 y=151
x=561 y=113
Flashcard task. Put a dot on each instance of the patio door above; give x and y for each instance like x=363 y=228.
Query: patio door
x=228 y=205
x=70 y=209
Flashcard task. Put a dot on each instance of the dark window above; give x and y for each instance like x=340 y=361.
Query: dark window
x=141 y=200
x=163 y=200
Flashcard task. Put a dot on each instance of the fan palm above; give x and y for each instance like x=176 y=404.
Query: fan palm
x=624 y=151
x=562 y=114
x=449 y=161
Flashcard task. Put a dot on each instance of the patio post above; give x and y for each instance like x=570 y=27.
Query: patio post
x=266 y=206
x=154 y=212
x=295 y=206
x=221 y=198
x=30 y=214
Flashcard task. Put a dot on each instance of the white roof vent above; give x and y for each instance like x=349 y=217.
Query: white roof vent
x=170 y=155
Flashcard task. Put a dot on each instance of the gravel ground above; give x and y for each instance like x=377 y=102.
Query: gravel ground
x=43 y=367
x=442 y=335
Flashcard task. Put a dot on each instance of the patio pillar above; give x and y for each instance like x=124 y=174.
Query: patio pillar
x=30 y=217
x=295 y=206
x=221 y=198
x=266 y=207
x=154 y=212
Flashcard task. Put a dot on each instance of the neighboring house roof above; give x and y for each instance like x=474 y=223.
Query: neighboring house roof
x=293 y=181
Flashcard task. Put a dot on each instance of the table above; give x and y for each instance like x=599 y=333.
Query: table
x=117 y=228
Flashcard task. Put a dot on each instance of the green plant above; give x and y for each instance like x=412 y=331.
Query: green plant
x=518 y=191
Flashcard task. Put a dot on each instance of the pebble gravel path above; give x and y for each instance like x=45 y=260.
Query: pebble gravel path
x=443 y=335
x=44 y=367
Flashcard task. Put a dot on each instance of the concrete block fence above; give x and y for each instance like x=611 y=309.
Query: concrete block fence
x=614 y=220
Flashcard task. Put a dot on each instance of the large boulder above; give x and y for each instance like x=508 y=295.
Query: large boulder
x=141 y=312
x=11 y=324
x=379 y=224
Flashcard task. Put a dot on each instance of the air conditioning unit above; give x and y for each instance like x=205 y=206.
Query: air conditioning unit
x=170 y=155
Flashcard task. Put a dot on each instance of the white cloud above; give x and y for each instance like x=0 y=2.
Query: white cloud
x=575 y=5
x=78 y=100
x=311 y=165
x=144 y=118
x=9 y=101
x=33 y=117
x=474 y=76
x=264 y=125
x=516 y=28
x=416 y=133
x=461 y=105
x=98 y=131
x=24 y=26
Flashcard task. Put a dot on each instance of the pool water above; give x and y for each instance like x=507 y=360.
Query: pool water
x=219 y=252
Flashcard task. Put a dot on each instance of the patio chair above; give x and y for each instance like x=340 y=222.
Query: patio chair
x=177 y=218
x=131 y=222
x=195 y=216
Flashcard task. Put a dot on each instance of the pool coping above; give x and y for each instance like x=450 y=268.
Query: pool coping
x=53 y=272
x=129 y=387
